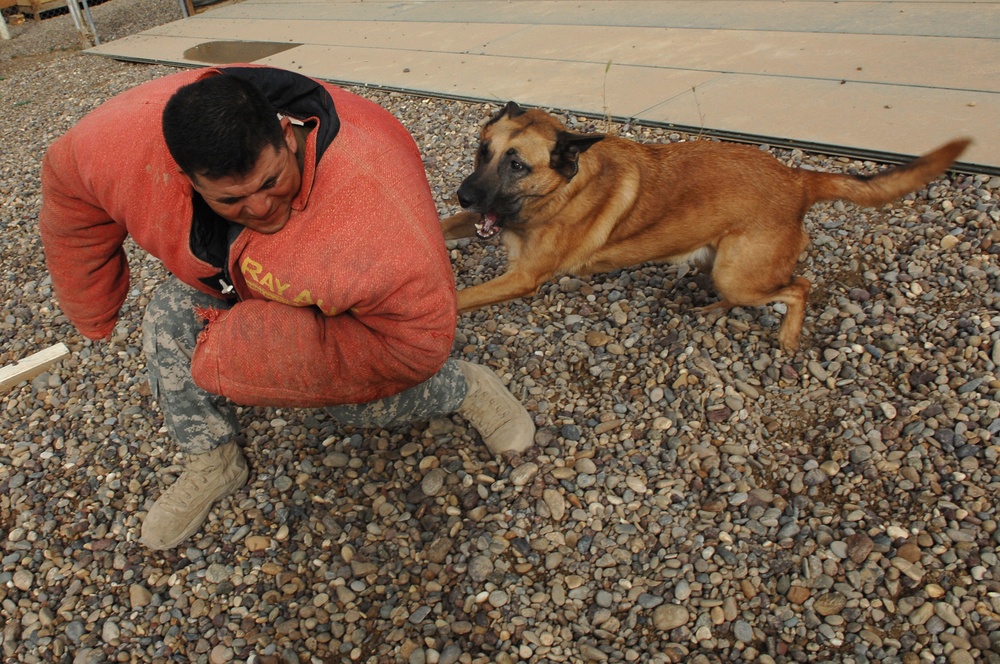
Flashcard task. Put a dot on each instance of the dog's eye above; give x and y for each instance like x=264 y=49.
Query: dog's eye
x=516 y=166
x=484 y=151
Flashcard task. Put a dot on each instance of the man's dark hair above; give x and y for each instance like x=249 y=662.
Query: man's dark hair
x=218 y=126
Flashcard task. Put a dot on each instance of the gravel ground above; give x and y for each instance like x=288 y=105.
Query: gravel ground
x=696 y=494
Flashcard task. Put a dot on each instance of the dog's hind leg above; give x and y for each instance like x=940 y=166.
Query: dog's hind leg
x=754 y=273
x=794 y=295
x=721 y=304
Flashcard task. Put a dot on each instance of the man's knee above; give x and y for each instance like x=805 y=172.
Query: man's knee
x=171 y=310
x=439 y=395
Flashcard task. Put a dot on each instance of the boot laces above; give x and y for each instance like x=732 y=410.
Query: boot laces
x=189 y=487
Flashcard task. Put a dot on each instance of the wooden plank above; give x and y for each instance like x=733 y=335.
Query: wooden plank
x=31 y=366
x=34 y=8
x=37 y=7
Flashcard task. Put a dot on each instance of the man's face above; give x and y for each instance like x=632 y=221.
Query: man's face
x=262 y=199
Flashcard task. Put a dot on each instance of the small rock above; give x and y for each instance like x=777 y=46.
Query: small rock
x=220 y=655
x=909 y=552
x=75 y=630
x=662 y=423
x=669 y=616
x=934 y=591
x=336 y=460
x=570 y=432
x=439 y=549
x=949 y=242
x=743 y=631
x=256 y=543
x=636 y=484
x=555 y=502
x=450 y=655
x=598 y=339
x=498 y=598
x=895 y=532
x=831 y=468
x=861 y=454
x=946 y=612
x=433 y=482
x=961 y=656
x=216 y=573
x=523 y=473
x=859 y=546
x=921 y=614
x=23 y=579
x=605 y=427
x=420 y=615
x=110 y=633
x=139 y=596
x=480 y=567
x=829 y=604
x=89 y=656
x=798 y=594
x=817 y=370
x=815 y=477
x=591 y=654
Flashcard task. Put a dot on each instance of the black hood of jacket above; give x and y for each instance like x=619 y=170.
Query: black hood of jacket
x=295 y=95
x=291 y=94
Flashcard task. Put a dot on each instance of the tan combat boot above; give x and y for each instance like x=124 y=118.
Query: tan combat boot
x=501 y=420
x=182 y=508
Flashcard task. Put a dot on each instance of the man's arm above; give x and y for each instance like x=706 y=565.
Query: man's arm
x=315 y=360
x=83 y=248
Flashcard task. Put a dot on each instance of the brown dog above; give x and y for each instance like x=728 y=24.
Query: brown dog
x=580 y=204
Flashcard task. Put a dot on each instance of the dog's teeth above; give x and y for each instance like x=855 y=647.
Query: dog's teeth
x=487 y=226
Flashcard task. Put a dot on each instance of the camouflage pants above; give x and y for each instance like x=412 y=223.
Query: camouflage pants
x=199 y=421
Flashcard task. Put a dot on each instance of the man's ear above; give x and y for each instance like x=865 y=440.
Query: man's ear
x=193 y=179
x=565 y=156
x=291 y=140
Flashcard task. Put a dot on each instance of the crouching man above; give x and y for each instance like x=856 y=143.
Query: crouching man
x=307 y=266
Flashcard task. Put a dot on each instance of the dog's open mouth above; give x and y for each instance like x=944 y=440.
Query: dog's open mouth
x=488 y=226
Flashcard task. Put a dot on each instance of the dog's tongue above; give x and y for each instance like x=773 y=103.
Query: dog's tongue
x=487 y=226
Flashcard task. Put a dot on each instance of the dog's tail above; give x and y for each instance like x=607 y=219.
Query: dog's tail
x=879 y=189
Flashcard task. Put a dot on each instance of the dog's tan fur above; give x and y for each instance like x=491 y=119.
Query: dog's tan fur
x=578 y=204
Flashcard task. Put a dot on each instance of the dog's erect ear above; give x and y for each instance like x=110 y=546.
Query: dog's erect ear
x=510 y=110
x=565 y=155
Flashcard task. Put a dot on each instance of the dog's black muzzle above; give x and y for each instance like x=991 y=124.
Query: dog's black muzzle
x=470 y=197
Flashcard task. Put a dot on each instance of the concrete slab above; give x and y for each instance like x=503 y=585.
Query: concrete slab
x=887 y=79
x=945 y=62
x=623 y=92
x=891 y=17
x=899 y=120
